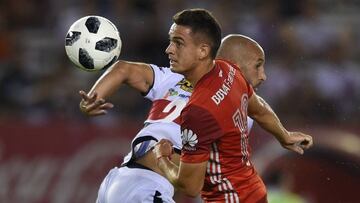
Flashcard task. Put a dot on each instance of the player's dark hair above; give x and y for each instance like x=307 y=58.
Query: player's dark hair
x=203 y=22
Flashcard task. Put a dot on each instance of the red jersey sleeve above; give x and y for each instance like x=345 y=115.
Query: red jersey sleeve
x=199 y=130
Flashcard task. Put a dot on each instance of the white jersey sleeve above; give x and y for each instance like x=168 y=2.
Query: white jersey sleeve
x=250 y=123
x=162 y=76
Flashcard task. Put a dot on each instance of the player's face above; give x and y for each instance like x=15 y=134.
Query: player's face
x=182 y=49
x=254 y=70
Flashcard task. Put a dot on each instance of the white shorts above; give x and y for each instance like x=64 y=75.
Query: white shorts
x=135 y=185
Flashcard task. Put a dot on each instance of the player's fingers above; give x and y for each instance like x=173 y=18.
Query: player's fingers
x=163 y=141
x=83 y=104
x=106 y=106
x=306 y=143
x=298 y=137
x=83 y=95
x=166 y=146
x=299 y=150
x=296 y=149
x=169 y=142
x=93 y=97
x=93 y=106
x=169 y=145
x=311 y=141
x=98 y=113
x=101 y=110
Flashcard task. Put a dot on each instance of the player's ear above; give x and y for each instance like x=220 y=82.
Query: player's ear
x=204 y=51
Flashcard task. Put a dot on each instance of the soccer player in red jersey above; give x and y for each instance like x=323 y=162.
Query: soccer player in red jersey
x=249 y=56
x=166 y=90
x=215 y=156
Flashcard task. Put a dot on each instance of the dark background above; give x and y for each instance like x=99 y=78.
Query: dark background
x=48 y=148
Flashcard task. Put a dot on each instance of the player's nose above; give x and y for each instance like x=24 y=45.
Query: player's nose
x=262 y=75
x=169 y=49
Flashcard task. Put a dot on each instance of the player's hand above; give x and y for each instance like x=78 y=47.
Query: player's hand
x=90 y=105
x=163 y=149
x=298 y=142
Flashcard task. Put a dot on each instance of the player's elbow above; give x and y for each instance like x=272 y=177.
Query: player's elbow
x=122 y=68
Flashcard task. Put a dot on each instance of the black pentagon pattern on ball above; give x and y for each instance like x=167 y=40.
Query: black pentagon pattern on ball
x=107 y=44
x=92 y=24
x=85 y=59
x=72 y=37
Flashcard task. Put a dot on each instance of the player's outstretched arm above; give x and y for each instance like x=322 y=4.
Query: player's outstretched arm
x=137 y=75
x=260 y=111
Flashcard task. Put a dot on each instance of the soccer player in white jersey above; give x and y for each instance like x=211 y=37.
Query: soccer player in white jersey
x=139 y=179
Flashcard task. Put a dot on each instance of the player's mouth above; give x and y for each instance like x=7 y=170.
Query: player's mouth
x=172 y=62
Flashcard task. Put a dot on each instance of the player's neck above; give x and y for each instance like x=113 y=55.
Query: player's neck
x=197 y=73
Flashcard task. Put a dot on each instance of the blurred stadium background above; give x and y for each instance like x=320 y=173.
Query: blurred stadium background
x=51 y=153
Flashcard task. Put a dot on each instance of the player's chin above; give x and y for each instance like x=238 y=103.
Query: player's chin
x=174 y=68
x=256 y=86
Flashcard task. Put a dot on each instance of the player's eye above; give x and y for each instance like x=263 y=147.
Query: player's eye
x=178 y=43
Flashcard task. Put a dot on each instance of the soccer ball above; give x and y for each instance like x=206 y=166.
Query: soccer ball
x=93 y=43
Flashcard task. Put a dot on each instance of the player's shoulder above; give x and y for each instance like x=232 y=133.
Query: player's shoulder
x=160 y=69
x=163 y=72
x=231 y=66
x=223 y=63
x=194 y=110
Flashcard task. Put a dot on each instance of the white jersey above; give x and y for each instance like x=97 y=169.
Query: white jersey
x=250 y=123
x=135 y=183
x=169 y=94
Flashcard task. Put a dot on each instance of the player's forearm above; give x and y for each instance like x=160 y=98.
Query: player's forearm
x=171 y=171
x=269 y=121
x=272 y=124
x=110 y=81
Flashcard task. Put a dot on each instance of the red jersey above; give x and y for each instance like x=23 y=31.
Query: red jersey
x=214 y=129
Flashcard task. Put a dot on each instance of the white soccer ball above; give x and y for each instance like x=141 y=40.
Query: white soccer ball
x=93 y=43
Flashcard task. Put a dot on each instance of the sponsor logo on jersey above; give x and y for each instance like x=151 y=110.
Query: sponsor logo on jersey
x=171 y=92
x=185 y=85
x=222 y=92
x=189 y=140
x=184 y=96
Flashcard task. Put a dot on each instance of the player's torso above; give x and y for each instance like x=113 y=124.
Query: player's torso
x=169 y=95
x=169 y=101
x=226 y=98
